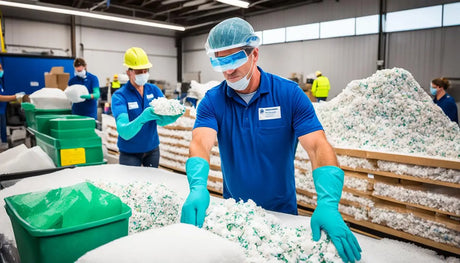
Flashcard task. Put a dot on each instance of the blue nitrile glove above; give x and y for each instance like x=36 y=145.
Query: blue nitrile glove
x=164 y=120
x=194 y=208
x=329 y=183
x=96 y=94
x=127 y=129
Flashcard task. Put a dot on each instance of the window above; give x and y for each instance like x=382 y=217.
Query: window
x=419 y=18
x=271 y=36
x=451 y=14
x=367 y=25
x=337 y=28
x=303 y=32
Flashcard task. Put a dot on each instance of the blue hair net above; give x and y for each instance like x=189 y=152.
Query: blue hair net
x=231 y=33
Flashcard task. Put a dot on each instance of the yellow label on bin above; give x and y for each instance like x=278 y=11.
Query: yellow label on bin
x=73 y=156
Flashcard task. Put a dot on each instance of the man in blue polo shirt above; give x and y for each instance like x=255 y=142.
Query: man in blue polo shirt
x=136 y=120
x=89 y=106
x=446 y=102
x=258 y=119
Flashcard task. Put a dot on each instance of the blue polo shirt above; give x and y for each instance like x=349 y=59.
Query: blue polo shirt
x=128 y=100
x=257 y=141
x=87 y=107
x=447 y=104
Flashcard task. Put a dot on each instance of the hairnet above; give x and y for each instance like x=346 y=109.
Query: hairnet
x=231 y=33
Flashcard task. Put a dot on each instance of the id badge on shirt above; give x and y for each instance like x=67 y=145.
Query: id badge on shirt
x=149 y=96
x=270 y=113
x=133 y=105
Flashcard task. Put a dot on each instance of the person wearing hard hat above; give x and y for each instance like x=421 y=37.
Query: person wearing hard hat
x=320 y=87
x=138 y=140
x=89 y=106
x=258 y=118
x=115 y=84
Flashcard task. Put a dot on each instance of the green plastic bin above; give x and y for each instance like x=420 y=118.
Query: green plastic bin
x=71 y=134
x=75 y=151
x=71 y=122
x=31 y=112
x=42 y=122
x=65 y=244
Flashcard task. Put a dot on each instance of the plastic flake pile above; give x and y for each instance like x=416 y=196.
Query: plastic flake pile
x=163 y=106
x=261 y=235
x=389 y=112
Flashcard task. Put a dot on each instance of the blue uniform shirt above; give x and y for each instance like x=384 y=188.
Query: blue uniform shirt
x=87 y=107
x=447 y=104
x=3 y=104
x=128 y=100
x=257 y=141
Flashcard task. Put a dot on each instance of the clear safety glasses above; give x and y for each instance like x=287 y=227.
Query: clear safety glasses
x=233 y=61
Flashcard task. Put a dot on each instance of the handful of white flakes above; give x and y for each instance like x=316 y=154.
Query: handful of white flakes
x=163 y=106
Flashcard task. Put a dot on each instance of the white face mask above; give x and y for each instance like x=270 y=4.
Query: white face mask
x=241 y=84
x=81 y=74
x=141 y=79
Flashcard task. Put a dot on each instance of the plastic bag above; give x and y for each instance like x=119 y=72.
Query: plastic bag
x=74 y=92
x=66 y=207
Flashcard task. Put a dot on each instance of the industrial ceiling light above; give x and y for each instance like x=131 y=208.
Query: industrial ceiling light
x=242 y=4
x=75 y=12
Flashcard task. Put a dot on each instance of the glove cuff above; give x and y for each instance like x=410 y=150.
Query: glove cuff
x=328 y=184
x=197 y=170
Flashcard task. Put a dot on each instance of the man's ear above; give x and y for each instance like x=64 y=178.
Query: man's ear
x=256 y=54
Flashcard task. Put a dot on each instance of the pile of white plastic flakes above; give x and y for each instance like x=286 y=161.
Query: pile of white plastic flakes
x=389 y=112
x=259 y=233
x=163 y=106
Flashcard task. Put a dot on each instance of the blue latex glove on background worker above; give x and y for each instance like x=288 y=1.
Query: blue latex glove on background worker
x=328 y=184
x=194 y=208
x=128 y=130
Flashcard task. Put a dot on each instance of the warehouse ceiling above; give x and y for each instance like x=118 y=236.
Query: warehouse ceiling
x=194 y=15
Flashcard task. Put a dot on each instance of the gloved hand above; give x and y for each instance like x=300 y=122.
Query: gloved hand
x=329 y=183
x=95 y=95
x=19 y=95
x=164 y=120
x=194 y=208
x=127 y=129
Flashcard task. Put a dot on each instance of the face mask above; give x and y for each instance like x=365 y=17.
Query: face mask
x=1 y=73
x=81 y=74
x=241 y=84
x=433 y=91
x=141 y=79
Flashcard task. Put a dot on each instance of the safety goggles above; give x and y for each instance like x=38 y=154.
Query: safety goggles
x=230 y=62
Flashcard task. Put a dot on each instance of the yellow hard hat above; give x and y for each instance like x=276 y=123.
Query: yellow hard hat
x=136 y=58
x=115 y=76
x=317 y=73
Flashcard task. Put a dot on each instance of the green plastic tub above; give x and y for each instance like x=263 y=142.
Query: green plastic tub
x=75 y=151
x=64 y=245
x=74 y=133
x=72 y=122
x=42 y=122
x=31 y=112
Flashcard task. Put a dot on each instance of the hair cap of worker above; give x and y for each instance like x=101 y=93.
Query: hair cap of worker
x=136 y=58
x=231 y=33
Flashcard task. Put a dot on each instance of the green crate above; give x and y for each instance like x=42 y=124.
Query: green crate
x=65 y=244
x=73 y=122
x=31 y=112
x=74 y=133
x=42 y=122
x=76 y=151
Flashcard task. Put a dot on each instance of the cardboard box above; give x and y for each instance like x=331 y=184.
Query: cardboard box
x=57 y=78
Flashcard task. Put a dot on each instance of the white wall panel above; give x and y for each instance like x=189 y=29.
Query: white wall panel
x=36 y=34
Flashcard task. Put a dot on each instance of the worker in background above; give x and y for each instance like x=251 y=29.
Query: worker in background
x=258 y=119
x=136 y=121
x=446 y=102
x=115 y=84
x=320 y=88
x=91 y=82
